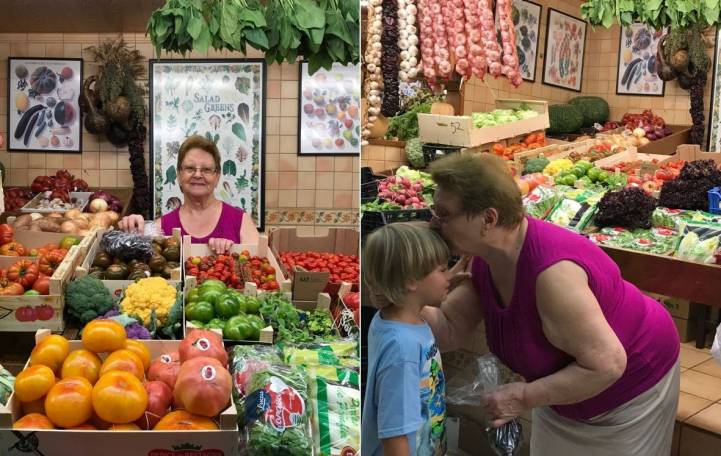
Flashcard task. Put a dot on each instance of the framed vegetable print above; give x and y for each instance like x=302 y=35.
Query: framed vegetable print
x=565 y=48
x=43 y=112
x=222 y=100
x=328 y=111
x=637 y=62
x=526 y=16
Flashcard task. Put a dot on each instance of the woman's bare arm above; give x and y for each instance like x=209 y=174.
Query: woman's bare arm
x=454 y=322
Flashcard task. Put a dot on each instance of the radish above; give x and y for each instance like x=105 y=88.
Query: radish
x=414 y=200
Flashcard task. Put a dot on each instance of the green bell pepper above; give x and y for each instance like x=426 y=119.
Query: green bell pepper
x=252 y=305
x=212 y=284
x=215 y=323
x=227 y=306
x=238 y=328
x=200 y=310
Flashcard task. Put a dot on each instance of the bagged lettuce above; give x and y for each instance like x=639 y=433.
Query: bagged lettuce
x=541 y=200
x=660 y=241
x=335 y=419
x=571 y=214
x=699 y=242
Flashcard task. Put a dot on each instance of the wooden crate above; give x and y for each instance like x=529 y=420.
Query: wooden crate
x=113 y=443
x=56 y=300
x=116 y=286
x=629 y=155
x=459 y=130
x=36 y=239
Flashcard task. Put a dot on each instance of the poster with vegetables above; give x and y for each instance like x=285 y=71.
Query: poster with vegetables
x=222 y=101
x=329 y=119
x=526 y=18
x=43 y=113
x=565 y=48
x=637 y=61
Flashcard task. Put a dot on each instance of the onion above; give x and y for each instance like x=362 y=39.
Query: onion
x=55 y=215
x=73 y=213
x=98 y=205
x=651 y=136
x=68 y=227
x=113 y=216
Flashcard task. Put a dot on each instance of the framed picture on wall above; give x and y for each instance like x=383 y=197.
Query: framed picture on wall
x=527 y=20
x=565 y=48
x=43 y=112
x=328 y=112
x=714 y=123
x=222 y=100
x=636 y=73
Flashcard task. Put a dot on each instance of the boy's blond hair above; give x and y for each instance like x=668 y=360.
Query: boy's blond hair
x=398 y=254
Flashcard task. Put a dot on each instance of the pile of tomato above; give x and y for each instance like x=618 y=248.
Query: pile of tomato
x=342 y=268
x=229 y=269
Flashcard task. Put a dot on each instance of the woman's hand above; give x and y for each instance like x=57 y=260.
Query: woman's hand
x=132 y=224
x=504 y=404
x=220 y=246
x=458 y=273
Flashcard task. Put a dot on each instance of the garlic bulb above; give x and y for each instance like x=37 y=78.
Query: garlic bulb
x=374 y=82
x=407 y=37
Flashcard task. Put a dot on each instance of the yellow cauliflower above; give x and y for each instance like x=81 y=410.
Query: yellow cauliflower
x=556 y=166
x=146 y=295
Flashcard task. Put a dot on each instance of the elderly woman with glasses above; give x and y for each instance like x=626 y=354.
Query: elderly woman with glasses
x=204 y=217
x=599 y=358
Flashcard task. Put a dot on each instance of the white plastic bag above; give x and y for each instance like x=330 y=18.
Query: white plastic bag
x=716 y=347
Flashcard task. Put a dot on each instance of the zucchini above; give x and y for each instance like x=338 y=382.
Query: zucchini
x=20 y=129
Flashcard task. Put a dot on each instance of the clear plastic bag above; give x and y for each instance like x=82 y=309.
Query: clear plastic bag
x=127 y=246
x=466 y=389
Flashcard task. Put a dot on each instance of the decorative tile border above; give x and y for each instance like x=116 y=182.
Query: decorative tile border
x=312 y=217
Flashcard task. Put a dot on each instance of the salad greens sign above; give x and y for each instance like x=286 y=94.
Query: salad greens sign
x=222 y=101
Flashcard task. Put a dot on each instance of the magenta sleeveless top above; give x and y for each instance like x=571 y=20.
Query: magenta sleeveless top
x=228 y=227
x=515 y=333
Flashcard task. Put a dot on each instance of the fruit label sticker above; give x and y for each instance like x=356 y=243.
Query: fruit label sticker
x=202 y=344
x=207 y=372
x=166 y=359
x=277 y=404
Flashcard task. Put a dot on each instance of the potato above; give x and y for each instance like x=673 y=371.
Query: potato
x=73 y=213
x=68 y=227
x=23 y=222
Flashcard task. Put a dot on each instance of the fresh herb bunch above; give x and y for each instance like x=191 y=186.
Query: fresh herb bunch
x=630 y=208
x=656 y=13
x=690 y=189
x=320 y=324
x=405 y=126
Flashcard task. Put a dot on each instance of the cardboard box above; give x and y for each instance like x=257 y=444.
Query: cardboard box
x=306 y=285
x=59 y=442
x=9 y=305
x=680 y=134
x=686 y=328
x=459 y=130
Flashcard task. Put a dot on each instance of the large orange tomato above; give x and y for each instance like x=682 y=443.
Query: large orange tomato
x=180 y=420
x=34 y=382
x=139 y=349
x=36 y=406
x=82 y=363
x=84 y=427
x=124 y=427
x=50 y=352
x=33 y=421
x=70 y=402
x=101 y=336
x=124 y=360
x=119 y=397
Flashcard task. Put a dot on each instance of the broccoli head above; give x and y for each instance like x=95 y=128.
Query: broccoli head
x=87 y=298
x=535 y=165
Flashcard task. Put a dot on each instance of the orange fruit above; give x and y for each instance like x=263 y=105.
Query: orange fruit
x=102 y=336
x=33 y=421
x=84 y=427
x=124 y=427
x=81 y=363
x=50 y=352
x=180 y=420
x=34 y=382
x=70 y=402
x=124 y=360
x=139 y=349
x=119 y=397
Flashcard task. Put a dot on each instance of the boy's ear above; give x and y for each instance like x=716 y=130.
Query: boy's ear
x=412 y=286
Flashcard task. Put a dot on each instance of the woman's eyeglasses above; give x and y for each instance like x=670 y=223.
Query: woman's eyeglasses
x=205 y=171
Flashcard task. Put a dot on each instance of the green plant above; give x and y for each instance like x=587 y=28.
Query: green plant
x=564 y=118
x=320 y=31
x=677 y=14
x=594 y=109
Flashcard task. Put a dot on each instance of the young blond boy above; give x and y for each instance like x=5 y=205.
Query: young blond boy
x=404 y=410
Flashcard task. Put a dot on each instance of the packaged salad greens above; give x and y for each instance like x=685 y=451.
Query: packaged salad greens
x=660 y=241
x=541 y=200
x=699 y=241
x=571 y=214
x=335 y=418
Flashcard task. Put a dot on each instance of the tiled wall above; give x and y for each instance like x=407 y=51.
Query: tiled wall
x=382 y=157
x=306 y=191
x=599 y=78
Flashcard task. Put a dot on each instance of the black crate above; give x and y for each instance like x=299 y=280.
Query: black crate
x=369 y=183
x=435 y=151
x=371 y=221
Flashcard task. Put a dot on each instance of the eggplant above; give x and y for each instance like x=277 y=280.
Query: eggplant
x=25 y=119
x=629 y=70
x=29 y=129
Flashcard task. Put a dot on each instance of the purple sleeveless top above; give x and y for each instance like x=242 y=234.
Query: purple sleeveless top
x=515 y=334
x=228 y=227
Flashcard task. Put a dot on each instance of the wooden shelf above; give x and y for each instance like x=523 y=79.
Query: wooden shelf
x=387 y=143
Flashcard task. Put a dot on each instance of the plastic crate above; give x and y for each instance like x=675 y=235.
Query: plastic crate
x=369 y=183
x=435 y=151
x=371 y=221
x=714 y=200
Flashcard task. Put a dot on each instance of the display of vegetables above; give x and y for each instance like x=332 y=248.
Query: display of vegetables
x=15 y=198
x=110 y=384
x=660 y=241
x=690 y=189
x=62 y=181
x=374 y=80
x=113 y=203
x=699 y=242
x=153 y=301
x=403 y=191
x=629 y=208
x=342 y=268
x=71 y=222
x=501 y=117
x=234 y=270
x=532 y=141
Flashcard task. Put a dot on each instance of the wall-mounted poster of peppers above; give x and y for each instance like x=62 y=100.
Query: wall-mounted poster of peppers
x=43 y=111
x=565 y=48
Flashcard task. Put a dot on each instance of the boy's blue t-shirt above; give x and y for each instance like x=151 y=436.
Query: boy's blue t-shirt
x=405 y=388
